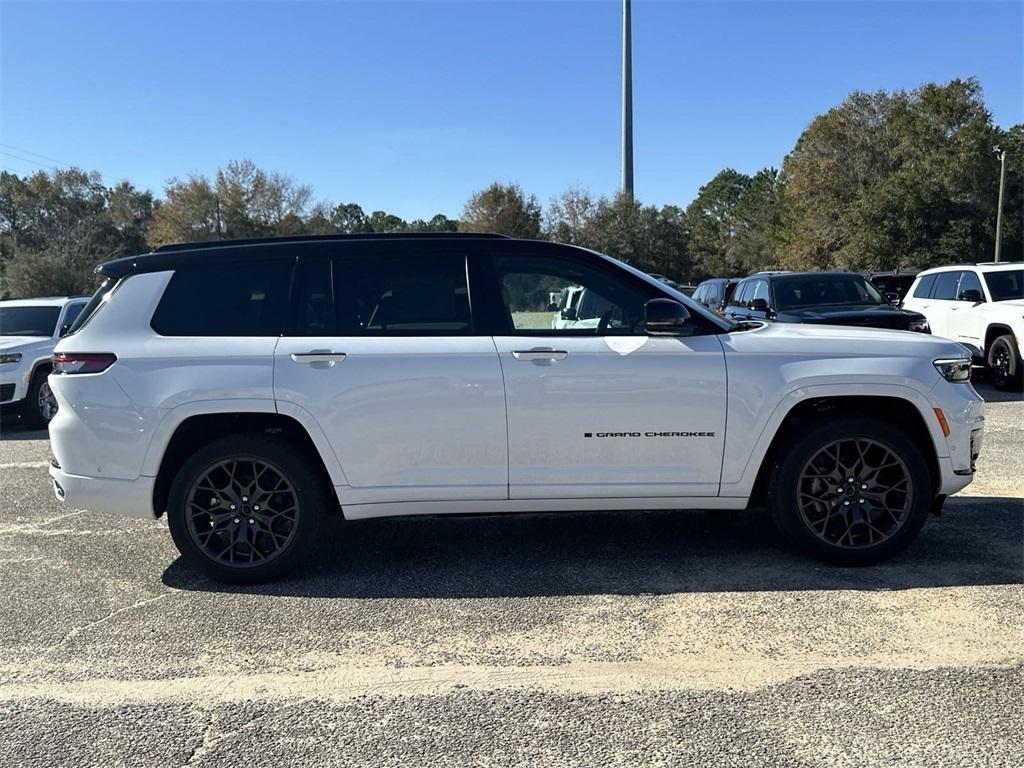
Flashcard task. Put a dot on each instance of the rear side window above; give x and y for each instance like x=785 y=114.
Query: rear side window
x=945 y=285
x=240 y=299
x=93 y=306
x=402 y=296
x=924 y=288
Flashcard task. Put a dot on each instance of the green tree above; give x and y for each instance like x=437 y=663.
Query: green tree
x=55 y=227
x=713 y=223
x=883 y=180
x=648 y=238
x=568 y=215
x=502 y=209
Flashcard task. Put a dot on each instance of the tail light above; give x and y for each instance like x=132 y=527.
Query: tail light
x=82 y=362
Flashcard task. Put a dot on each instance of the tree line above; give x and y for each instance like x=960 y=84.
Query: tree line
x=884 y=180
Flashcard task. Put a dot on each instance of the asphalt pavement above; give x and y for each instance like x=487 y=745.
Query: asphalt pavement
x=653 y=638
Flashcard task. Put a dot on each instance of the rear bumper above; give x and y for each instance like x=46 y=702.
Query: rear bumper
x=128 y=498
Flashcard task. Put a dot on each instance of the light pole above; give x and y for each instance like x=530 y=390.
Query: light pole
x=999 y=210
x=627 y=102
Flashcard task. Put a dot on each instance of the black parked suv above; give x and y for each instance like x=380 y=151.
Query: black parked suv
x=828 y=298
x=716 y=292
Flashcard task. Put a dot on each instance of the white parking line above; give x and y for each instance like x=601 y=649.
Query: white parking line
x=25 y=465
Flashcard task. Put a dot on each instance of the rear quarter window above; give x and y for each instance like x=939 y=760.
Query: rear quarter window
x=239 y=299
x=924 y=288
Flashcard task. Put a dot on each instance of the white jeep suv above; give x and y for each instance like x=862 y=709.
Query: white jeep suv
x=981 y=306
x=248 y=389
x=29 y=330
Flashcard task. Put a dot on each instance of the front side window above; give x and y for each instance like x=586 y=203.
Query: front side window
x=564 y=296
x=402 y=296
x=945 y=286
x=1005 y=284
x=760 y=290
x=248 y=298
x=969 y=282
x=28 y=321
x=744 y=292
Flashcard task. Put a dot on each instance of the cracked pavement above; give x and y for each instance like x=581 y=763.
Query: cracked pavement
x=656 y=638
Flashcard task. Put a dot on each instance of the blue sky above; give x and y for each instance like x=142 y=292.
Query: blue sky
x=410 y=107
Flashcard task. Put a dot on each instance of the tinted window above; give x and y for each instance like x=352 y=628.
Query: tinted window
x=824 y=289
x=563 y=296
x=242 y=299
x=699 y=294
x=28 y=321
x=742 y=294
x=1004 y=285
x=72 y=314
x=760 y=290
x=402 y=296
x=969 y=282
x=945 y=285
x=729 y=288
x=924 y=288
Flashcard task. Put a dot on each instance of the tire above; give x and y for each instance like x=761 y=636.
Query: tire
x=40 y=406
x=258 y=538
x=1004 y=364
x=872 y=533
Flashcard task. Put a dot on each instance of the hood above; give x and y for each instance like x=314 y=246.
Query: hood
x=870 y=315
x=15 y=343
x=814 y=340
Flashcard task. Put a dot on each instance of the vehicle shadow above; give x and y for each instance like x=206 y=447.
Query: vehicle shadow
x=978 y=541
x=992 y=395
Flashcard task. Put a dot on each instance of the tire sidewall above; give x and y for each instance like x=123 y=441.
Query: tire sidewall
x=309 y=491
x=1013 y=380
x=31 y=414
x=784 y=490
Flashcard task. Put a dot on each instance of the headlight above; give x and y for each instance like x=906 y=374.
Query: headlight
x=921 y=326
x=954 y=370
x=10 y=357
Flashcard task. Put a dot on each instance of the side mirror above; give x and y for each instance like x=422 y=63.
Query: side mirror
x=552 y=307
x=893 y=297
x=664 y=317
x=759 y=305
x=569 y=314
x=972 y=295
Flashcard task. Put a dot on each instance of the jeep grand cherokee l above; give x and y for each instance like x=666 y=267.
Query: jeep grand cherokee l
x=248 y=389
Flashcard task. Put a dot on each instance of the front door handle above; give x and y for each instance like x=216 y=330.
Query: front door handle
x=540 y=354
x=318 y=357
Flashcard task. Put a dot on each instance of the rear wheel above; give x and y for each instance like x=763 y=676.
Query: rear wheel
x=1004 y=363
x=851 y=491
x=246 y=509
x=40 y=405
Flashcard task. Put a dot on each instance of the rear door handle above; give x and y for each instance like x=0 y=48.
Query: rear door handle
x=540 y=354
x=318 y=357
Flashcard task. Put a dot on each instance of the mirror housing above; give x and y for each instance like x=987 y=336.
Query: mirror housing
x=972 y=295
x=664 y=317
x=759 y=305
x=569 y=314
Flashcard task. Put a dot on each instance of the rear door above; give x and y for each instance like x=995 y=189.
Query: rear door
x=943 y=302
x=385 y=357
x=964 y=319
x=606 y=410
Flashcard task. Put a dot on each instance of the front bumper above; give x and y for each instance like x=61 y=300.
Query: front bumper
x=13 y=384
x=128 y=498
x=964 y=411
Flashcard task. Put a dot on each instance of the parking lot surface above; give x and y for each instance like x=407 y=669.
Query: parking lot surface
x=655 y=638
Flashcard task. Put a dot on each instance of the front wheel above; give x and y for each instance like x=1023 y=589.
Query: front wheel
x=1004 y=363
x=851 y=491
x=40 y=405
x=246 y=509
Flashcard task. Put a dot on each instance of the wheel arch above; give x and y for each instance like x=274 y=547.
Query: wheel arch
x=994 y=331
x=899 y=411
x=196 y=430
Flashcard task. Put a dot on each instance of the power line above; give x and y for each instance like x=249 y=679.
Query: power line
x=62 y=163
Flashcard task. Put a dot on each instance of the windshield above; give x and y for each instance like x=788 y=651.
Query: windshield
x=822 y=289
x=1005 y=285
x=28 y=321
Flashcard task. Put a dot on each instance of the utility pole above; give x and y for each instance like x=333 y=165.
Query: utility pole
x=627 y=101
x=999 y=210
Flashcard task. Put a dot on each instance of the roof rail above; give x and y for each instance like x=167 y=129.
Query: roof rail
x=327 y=238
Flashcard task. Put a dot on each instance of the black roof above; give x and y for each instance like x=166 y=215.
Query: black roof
x=170 y=256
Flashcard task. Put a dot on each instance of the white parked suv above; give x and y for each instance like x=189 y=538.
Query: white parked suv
x=980 y=305
x=248 y=389
x=29 y=330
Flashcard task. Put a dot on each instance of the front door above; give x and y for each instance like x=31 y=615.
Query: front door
x=602 y=409
x=385 y=359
